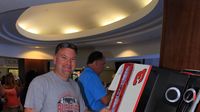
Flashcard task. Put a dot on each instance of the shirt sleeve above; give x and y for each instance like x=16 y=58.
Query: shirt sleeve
x=35 y=95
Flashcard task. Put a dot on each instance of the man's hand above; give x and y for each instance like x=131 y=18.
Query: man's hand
x=105 y=110
x=106 y=99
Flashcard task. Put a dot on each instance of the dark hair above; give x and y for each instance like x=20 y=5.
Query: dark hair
x=66 y=45
x=10 y=80
x=3 y=80
x=96 y=55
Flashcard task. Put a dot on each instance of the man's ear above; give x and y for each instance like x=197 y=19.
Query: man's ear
x=95 y=62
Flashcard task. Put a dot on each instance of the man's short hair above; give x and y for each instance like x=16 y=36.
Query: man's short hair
x=96 y=55
x=66 y=45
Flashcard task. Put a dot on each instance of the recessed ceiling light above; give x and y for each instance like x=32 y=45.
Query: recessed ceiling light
x=119 y=42
x=107 y=67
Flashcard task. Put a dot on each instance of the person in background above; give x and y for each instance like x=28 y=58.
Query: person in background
x=3 y=79
x=0 y=73
x=55 y=91
x=2 y=98
x=11 y=92
x=94 y=92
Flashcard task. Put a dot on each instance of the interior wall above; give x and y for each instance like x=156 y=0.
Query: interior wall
x=25 y=52
x=180 y=48
x=107 y=75
x=4 y=71
x=7 y=64
x=111 y=52
x=134 y=49
x=82 y=56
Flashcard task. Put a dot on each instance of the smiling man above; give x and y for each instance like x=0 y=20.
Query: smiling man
x=55 y=91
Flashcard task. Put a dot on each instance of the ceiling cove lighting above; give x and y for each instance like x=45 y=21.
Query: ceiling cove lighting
x=127 y=53
x=26 y=27
x=36 y=54
x=22 y=25
x=112 y=19
x=144 y=3
x=32 y=30
x=71 y=30
x=37 y=47
x=65 y=20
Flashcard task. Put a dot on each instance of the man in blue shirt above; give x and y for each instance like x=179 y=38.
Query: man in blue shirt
x=93 y=91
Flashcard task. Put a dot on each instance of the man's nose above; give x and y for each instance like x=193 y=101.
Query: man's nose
x=68 y=61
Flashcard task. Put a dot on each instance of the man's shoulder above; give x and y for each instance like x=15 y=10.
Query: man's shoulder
x=72 y=81
x=43 y=77
x=88 y=72
x=87 y=77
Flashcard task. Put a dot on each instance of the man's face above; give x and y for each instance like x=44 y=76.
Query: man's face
x=100 y=65
x=65 y=62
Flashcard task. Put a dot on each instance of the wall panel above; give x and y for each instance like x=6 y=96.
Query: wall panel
x=180 y=44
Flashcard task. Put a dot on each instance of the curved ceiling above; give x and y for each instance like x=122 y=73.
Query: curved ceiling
x=78 y=19
x=140 y=21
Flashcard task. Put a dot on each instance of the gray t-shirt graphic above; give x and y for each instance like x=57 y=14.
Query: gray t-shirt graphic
x=49 y=93
x=68 y=104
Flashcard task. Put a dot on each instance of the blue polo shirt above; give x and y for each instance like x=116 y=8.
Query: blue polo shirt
x=92 y=89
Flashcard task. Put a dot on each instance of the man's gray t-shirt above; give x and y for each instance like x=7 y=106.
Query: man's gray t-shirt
x=49 y=93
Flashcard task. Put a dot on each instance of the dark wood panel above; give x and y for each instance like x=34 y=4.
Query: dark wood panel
x=180 y=45
x=40 y=66
x=25 y=65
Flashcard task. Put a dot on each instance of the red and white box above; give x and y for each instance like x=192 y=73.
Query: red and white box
x=128 y=85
